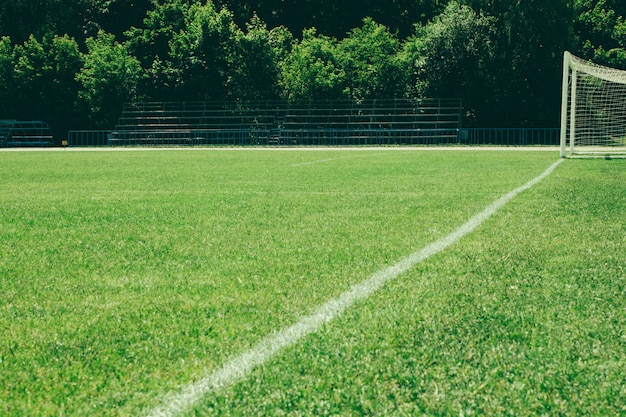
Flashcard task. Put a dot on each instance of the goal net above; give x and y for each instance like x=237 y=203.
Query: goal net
x=593 y=112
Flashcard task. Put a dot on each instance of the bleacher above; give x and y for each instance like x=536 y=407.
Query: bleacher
x=16 y=133
x=285 y=123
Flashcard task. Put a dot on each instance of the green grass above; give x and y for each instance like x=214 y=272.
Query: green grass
x=125 y=275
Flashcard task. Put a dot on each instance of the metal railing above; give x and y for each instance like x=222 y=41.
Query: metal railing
x=510 y=136
x=316 y=137
x=88 y=138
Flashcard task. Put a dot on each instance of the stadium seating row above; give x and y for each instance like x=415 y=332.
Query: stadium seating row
x=415 y=114
x=14 y=133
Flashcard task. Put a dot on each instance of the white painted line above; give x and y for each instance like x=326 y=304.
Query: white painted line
x=320 y=161
x=418 y=148
x=239 y=366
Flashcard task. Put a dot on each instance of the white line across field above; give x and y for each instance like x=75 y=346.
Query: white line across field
x=238 y=367
x=321 y=161
x=285 y=148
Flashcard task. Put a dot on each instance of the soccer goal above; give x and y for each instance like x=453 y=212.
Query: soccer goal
x=593 y=111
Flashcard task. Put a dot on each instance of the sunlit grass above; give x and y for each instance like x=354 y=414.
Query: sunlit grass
x=526 y=316
x=127 y=274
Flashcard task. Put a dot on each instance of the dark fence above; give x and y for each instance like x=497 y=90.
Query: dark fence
x=510 y=136
x=316 y=137
x=87 y=138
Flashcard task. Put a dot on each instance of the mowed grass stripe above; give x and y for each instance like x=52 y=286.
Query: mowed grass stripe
x=126 y=275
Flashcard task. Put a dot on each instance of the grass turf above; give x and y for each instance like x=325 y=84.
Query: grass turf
x=125 y=275
x=524 y=317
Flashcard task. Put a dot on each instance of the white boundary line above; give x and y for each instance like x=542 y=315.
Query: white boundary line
x=238 y=367
x=321 y=161
x=520 y=148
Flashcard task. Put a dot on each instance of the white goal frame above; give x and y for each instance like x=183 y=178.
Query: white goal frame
x=593 y=109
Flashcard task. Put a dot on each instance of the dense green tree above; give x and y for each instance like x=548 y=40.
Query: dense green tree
x=108 y=79
x=193 y=51
x=153 y=37
x=502 y=57
x=6 y=78
x=151 y=43
x=282 y=41
x=369 y=58
x=532 y=35
x=601 y=30
x=61 y=86
x=77 y=18
x=256 y=68
x=30 y=77
x=44 y=85
x=452 y=57
x=313 y=71
x=204 y=55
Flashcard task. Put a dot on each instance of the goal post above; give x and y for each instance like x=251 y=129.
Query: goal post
x=593 y=109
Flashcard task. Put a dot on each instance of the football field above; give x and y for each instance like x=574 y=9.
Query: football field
x=296 y=282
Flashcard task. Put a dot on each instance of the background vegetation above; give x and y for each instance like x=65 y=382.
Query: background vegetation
x=74 y=62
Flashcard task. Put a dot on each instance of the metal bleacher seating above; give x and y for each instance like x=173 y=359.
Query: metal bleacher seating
x=287 y=123
x=17 y=133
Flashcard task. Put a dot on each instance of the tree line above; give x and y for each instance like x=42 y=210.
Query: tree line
x=73 y=63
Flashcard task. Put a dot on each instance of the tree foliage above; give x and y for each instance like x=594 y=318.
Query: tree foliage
x=204 y=54
x=530 y=39
x=74 y=63
x=6 y=77
x=453 y=57
x=108 y=79
x=256 y=71
x=601 y=28
x=38 y=79
x=335 y=18
x=79 y=19
x=369 y=56
x=312 y=71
